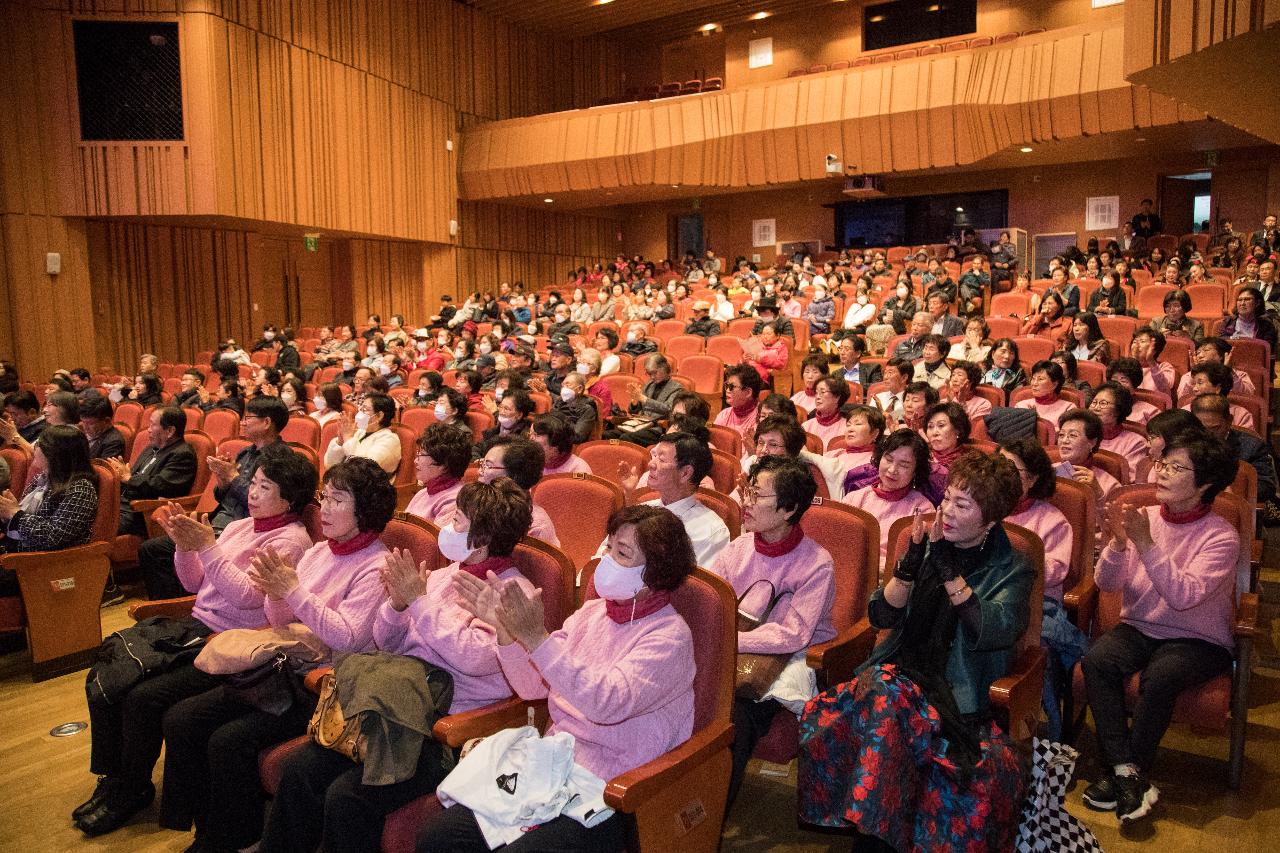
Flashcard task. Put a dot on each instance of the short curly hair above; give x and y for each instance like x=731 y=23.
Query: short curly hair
x=292 y=473
x=367 y=483
x=448 y=446
x=992 y=481
x=500 y=514
x=668 y=553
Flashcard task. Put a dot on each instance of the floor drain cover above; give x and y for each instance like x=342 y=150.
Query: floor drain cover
x=68 y=729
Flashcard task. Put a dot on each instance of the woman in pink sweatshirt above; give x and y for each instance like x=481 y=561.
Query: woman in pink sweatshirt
x=618 y=676
x=902 y=462
x=126 y=730
x=321 y=802
x=212 y=740
x=1113 y=403
x=826 y=422
x=774 y=559
x=1175 y=564
x=444 y=452
x=1046 y=384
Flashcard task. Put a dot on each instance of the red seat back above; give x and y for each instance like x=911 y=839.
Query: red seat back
x=588 y=501
x=303 y=430
x=852 y=538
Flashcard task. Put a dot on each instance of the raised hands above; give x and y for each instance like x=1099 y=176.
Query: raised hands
x=403 y=579
x=223 y=469
x=522 y=615
x=271 y=574
x=187 y=533
x=481 y=598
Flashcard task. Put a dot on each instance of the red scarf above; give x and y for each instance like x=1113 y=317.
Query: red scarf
x=861 y=448
x=891 y=495
x=785 y=545
x=556 y=461
x=482 y=568
x=1184 y=517
x=1110 y=432
x=436 y=485
x=827 y=420
x=1047 y=400
x=623 y=612
x=355 y=543
x=946 y=457
x=746 y=409
x=1024 y=503
x=275 y=522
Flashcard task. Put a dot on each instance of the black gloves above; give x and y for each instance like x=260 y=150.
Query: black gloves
x=909 y=565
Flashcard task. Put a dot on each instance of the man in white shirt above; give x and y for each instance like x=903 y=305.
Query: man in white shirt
x=369 y=435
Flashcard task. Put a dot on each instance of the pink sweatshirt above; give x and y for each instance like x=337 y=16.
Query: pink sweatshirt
x=1130 y=445
x=224 y=596
x=1159 y=377
x=436 y=629
x=826 y=433
x=571 y=465
x=1243 y=383
x=1047 y=521
x=1050 y=412
x=850 y=459
x=1142 y=412
x=336 y=596
x=799 y=620
x=745 y=426
x=1240 y=416
x=624 y=691
x=887 y=512
x=805 y=399
x=977 y=407
x=437 y=508
x=542 y=527
x=1183 y=586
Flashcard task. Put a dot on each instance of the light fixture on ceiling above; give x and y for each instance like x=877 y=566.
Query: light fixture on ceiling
x=934 y=8
x=1141 y=139
x=760 y=16
x=875 y=19
x=1026 y=149
x=675 y=186
x=602 y=2
x=706 y=28
x=959 y=210
x=548 y=200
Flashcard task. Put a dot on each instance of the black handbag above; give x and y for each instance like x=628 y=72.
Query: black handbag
x=270 y=687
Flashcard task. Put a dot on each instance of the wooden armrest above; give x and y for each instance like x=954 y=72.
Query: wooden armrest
x=456 y=729
x=1081 y=602
x=311 y=680
x=626 y=793
x=836 y=659
x=34 y=560
x=1247 y=616
x=1019 y=692
x=173 y=608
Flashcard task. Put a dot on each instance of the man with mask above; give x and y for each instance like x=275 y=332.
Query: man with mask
x=575 y=405
x=638 y=344
x=561 y=363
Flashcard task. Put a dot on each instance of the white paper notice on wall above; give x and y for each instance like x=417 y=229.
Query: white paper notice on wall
x=763 y=232
x=1101 y=4
x=759 y=53
x=1101 y=212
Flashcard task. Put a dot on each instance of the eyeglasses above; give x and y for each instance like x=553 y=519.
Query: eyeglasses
x=486 y=465
x=728 y=387
x=1164 y=466
x=770 y=446
x=752 y=495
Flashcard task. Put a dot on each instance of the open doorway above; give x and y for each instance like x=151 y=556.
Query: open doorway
x=685 y=234
x=1186 y=202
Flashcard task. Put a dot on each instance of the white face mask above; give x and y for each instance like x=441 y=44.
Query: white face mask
x=567 y=394
x=362 y=419
x=442 y=341
x=584 y=369
x=453 y=545
x=903 y=293
x=768 y=288
x=440 y=412
x=423 y=345
x=506 y=422
x=268 y=336
x=862 y=299
x=371 y=351
x=632 y=337
x=497 y=394
x=289 y=397
x=319 y=403
x=486 y=348
x=614 y=581
x=348 y=366
x=459 y=353
x=384 y=369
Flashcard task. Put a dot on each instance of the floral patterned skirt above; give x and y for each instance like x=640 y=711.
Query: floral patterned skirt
x=872 y=756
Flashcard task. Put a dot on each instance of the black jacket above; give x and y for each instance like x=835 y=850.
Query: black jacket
x=1248 y=448
x=288 y=358
x=164 y=473
x=109 y=444
x=151 y=647
x=868 y=374
x=704 y=327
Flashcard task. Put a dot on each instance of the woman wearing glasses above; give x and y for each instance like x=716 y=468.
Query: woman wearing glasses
x=742 y=387
x=1112 y=403
x=444 y=452
x=212 y=740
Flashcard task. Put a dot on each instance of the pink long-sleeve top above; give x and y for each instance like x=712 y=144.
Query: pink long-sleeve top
x=1142 y=412
x=800 y=619
x=336 y=596
x=744 y=424
x=1049 y=411
x=542 y=527
x=571 y=465
x=1183 y=585
x=886 y=511
x=623 y=690
x=224 y=596
x=436 y=629
x=1047 y=521
x=437 y=508
x=772 y=358
x=1130 y=445
x=825 y=433
x=1159 y=377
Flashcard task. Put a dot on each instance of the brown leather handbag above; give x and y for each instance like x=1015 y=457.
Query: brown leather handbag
x=757 y=672
x=330 y=729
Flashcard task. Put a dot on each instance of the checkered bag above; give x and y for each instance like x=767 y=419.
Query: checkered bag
x=1046 y=825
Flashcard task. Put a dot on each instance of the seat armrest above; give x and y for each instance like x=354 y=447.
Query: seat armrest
x=1246 y=622
x=456 y=729
x=1019 y=692
x=311 y=681
x=1081 y=602
x=172 y=608
x=626 y=793
x=836 y=659
x=34 y=560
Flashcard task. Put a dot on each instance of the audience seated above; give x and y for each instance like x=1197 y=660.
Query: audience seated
x=367 y=435
x=444 y=452
x=105 y=441
x=58 y=504
x=166 y=469
x=901 y=465
x=557 y=437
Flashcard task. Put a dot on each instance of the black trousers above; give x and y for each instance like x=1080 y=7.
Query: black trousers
x=155 y=559
x=456 y=831
x=751 y=721
x=322 y=804
x=211 y=777
x=126 y=735
x=1168 y=667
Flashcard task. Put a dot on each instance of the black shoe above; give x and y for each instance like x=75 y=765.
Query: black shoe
x=116 y=810
x=1101 y=795
x=1134 y=797
x=112 y=594
x=100 y=793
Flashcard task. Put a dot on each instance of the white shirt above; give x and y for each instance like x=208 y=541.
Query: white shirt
x=722 y=311
x=382 y=447
x=859 y=315
x=610 y=364
x=707 y=531
x=889 y=403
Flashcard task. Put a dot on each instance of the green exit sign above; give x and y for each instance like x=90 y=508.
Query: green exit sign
x=311 y=242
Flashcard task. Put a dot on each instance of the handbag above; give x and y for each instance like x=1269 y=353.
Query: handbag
x=757 y=672
x=269 y=687
x=331 y=729
x=242 y=650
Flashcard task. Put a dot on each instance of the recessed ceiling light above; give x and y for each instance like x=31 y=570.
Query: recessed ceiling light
x=875 y=19
x=759 y=16
x=603 y=2
x=934 y=8
x=706 y=28
x=548 y=200
x=1026 y=149
x=1142 y=139
x=959 y=210
x=675 y=186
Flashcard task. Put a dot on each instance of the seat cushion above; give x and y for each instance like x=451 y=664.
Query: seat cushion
x=271 y=762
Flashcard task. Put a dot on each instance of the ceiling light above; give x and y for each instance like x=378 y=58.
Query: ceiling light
x=675 y=186
x=959 y=210
x=759 y=16
x=603 y=2
x=1026 y=149
x=1142 y=139
x=934 y=8
x=706 y=28
x=548 y=200
x=875 y=19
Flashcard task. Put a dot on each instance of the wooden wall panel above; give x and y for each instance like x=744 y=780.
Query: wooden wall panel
x=942 y=111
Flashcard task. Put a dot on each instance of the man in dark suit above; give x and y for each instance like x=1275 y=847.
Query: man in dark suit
x=1214 y=413
x=1131 y=245
x=105 y=441
x=1145 y=222
x=1269 y=236
x=287 y=357
x=166 y=469
x=941 y=320
x=851 y=369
